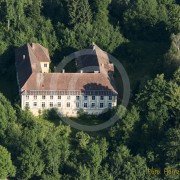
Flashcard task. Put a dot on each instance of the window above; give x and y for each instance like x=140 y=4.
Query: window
x=101 y=97
x=68 y=97
x=43 y=104
x=68 y=104
x=85 y=105
x=85 y=97
x=101 y=105
x=59 y=104
x=77 y=97
x=109 y=105
x=27 y=97
x=27 y=104
x=59 y=97
x=110 y=97
x=93 y=97
x=45 y=65
x=35 y=104
x=35 y=97
x=51 y=97
x=77 y=104
x=92 y=105
x=51 y=104
x=43 y=97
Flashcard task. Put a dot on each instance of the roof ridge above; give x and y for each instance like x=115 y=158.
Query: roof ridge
x=43 y=48
x=29 y=57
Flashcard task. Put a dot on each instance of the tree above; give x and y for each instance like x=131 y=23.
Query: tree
x=34 y=9
x=172 y=57
x=7 y=117
x=56 y=150
x=28 y=156
x=10 y=13
x=52 y=157
x=30 y=162
x=118 y=8
x=144 y=19
x=83 y=173
x=101 y=8
x=158 y=106
x=124 y=166
x=7 y=169
x=174 y=23
x=79 y=12
x=123 y=131
x=170 y=147
x=95 y=158
x=83 y=139
x=153 y=106
x=176 y=77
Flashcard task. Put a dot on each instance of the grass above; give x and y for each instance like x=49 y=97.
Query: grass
x=87 y=120
x=84 y=119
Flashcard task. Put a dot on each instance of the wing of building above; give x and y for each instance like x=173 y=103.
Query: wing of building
x=93 y=91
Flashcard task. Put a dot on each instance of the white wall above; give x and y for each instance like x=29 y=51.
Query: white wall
x=43 y=68
x=69 y=111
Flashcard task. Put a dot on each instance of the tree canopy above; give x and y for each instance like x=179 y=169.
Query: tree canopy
x=144 y=35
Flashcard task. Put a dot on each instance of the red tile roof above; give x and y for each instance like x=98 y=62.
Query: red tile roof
x=28 y=58
x=97 y=58
x=68 y=81
x=41 y=53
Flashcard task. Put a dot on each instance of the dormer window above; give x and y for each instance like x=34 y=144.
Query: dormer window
x=45 y=65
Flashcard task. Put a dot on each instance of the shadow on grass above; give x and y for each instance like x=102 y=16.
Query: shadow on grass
x=83 y=118
x=51 y=115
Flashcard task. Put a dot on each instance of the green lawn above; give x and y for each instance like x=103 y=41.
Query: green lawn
x=52 y=116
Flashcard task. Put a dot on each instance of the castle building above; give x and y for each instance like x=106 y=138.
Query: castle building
x=93 y=91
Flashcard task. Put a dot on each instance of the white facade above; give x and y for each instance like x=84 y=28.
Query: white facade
x=44 y=67
x=40 y=89
x=68 y=105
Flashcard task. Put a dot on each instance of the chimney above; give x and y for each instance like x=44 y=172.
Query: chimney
x=63 y=71
x=32 y=45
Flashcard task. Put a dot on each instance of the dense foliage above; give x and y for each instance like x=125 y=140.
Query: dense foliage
x=145 y=36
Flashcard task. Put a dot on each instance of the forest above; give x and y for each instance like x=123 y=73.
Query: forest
x=144 y=35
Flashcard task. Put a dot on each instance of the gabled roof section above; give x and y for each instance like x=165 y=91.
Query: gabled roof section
x=28 y=58
x=88 y=62
x=30 y=76
x=96 y=58
x=41 y=53
x=68 y=81
x=23 y=64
